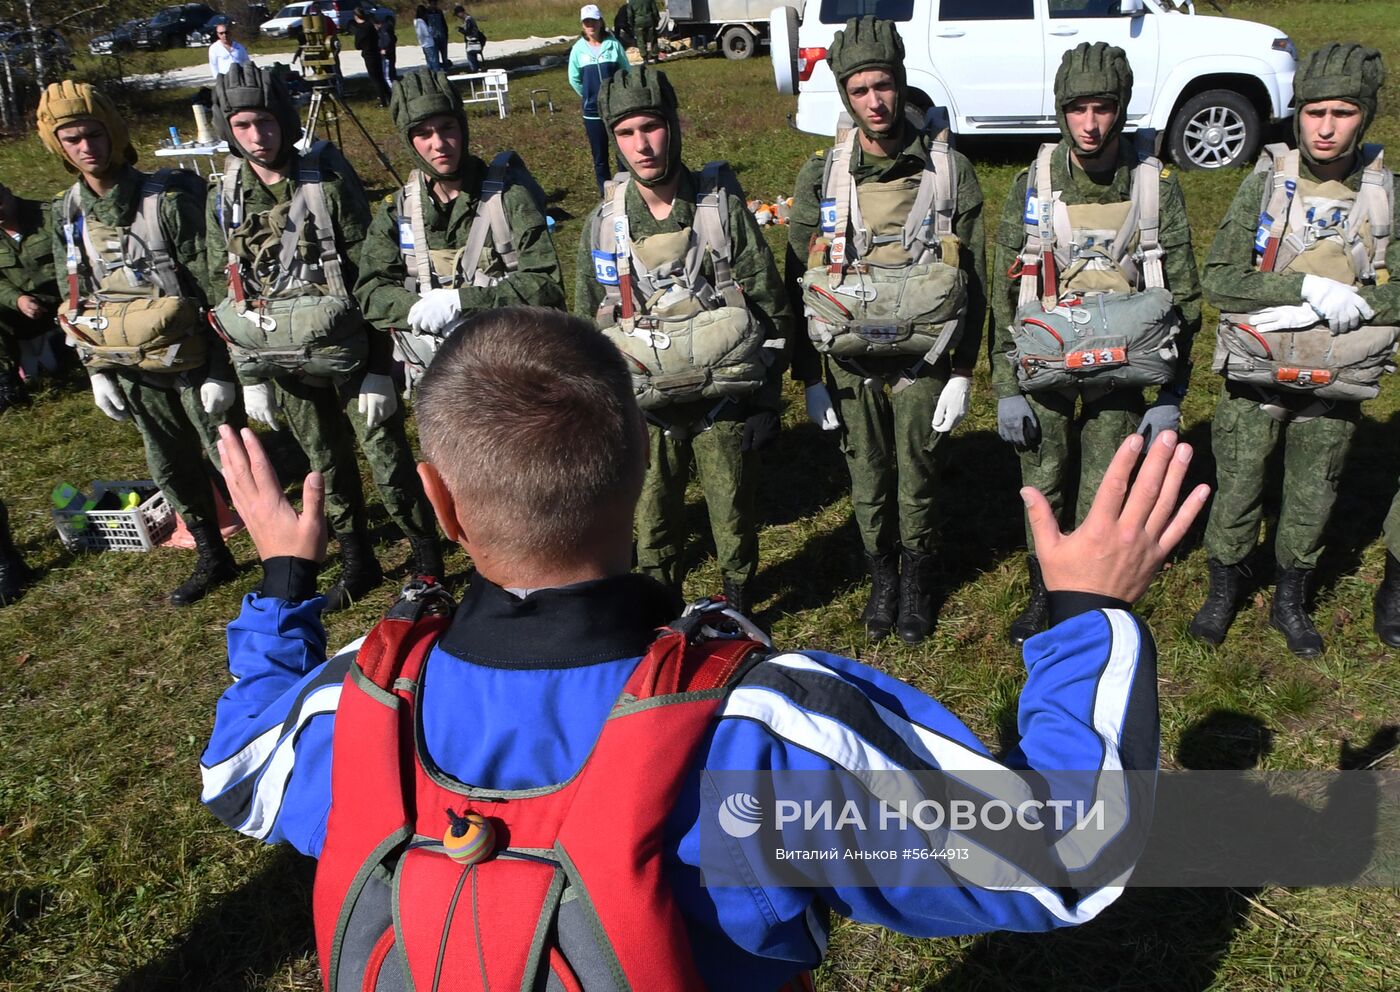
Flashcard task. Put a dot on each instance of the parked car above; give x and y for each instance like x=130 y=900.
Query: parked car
x=1208 y=85
x=18 y=46
x=292 y=13
x=121 y=38
x=170 y=26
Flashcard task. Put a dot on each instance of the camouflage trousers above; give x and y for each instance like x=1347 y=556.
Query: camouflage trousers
x=889 y=442
x=1088 y=438
x=327 y=423
x=175 y=430
x=727 y=479
x=1243 y=437
x=1392 y=528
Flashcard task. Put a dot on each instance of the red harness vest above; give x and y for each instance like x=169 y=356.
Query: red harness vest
x=574 y=897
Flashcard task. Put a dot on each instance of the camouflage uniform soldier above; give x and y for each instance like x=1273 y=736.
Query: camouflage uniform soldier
x=1067 y=234
x=459 y=207
x=284 y=230
x=28 y=298
x=644 y=18
x=690 y=293
x=131 y=247
x=894 y=214
x=1300 y=270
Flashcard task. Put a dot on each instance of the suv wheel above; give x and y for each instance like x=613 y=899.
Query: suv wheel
x=737 y=43
x=1216 y=129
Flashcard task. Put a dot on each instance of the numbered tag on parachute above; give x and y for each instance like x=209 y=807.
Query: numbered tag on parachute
x=1032 y=214
x=605 y=268
x=828 y=217
x=1303 y=377
x=405 y=235
x=1261 y=233
x=1096 y=358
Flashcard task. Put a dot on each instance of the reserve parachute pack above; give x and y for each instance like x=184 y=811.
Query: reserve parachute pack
x=883 y=277
x=1322 y=229
x=125 y=306
x=684 y=338
x=1093 y=311
x=564 y=887
x=487 y=258
x=288 y=309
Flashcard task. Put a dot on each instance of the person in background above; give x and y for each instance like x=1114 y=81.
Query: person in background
x=28 y=295
x=645 y=15
x=594 y=58
x=225 y=52
x=472 y=35
x=388 y=29
x=438 y=23
x=367 y=43
x=424 y=31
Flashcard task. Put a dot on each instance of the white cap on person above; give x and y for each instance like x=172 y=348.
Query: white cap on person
x=590 y=12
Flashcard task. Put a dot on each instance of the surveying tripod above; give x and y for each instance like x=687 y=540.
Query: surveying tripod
x=318 y=112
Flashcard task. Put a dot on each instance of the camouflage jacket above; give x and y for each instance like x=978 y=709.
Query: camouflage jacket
x=26 y=269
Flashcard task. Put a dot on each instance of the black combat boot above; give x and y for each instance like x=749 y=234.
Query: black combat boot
x=14 y=573
x=915 y=597
x=213 y=567
x=12 y=391
x=359 y=571
x=880 y=608
x=1036 y=616
x=1387 y=604
x=1289 y=614
x=426 y=558
x=736 y=594
x=1212 y=621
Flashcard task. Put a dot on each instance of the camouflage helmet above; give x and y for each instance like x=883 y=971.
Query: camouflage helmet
x=869 y=43
x=422 y=94
x=644 y=90
x=1089 y=71
x=246 y=87
x=67 y=103
x=1347 y=72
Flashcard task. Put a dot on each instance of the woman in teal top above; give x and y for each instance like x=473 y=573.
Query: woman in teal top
x=593 y=59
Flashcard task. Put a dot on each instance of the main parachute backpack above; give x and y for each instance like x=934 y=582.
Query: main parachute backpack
x=1081 y=320
x=288 y=307
x=566 y=891
x=683 y=337
x=1324 y=229
x=487 y=258
x=883 y=277
x=125 y=305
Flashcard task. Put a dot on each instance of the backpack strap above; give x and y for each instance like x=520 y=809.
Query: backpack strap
x=938 y=192
x=709 y=647
x=1147 y=206
x=230 y=217
x=162 y=263
x=411 y=201
x=74 y=233
x=605 y=254
x=1279 y=164
x=838 y=187
x=491 y=219
x=399 y=644
x=712 y=235
x=1039 y=251
x=1375 y=203
x=619 y=236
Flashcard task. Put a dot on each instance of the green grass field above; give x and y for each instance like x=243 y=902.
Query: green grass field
x=113 y=876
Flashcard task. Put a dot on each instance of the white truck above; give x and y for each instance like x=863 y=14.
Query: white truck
x=738 y=25
x=1207 y=85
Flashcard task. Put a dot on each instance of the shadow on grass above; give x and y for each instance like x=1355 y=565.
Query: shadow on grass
x=1174 y=939
x=248 y=934
x=1363 y=498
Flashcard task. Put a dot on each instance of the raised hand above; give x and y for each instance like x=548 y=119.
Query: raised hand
x=276 y=528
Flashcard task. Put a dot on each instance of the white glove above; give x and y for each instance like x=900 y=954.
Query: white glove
x=1284 y=318
x=216 y=396
x=260 y=402
x=819 y=408
x=377 y=399
x=1338 y=304
x=952 y=404
x=108 y=396
x=437 y=309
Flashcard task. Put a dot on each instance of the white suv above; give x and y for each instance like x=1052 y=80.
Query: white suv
x=1207 y=84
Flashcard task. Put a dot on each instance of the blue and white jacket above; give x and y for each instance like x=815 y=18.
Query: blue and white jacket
x=589 y=70
x=534 y=679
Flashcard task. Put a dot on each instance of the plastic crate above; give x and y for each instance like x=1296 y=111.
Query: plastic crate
x=118 y=530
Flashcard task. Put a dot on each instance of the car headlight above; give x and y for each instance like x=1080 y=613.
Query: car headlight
x=1285 y=44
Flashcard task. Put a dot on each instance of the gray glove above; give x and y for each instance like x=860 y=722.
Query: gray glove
x=1164 y=415
x=1016 y=421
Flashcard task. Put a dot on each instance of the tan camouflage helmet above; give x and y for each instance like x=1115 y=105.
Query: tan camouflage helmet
x=869 y=43
x=67 y=103
x=1345 y=71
